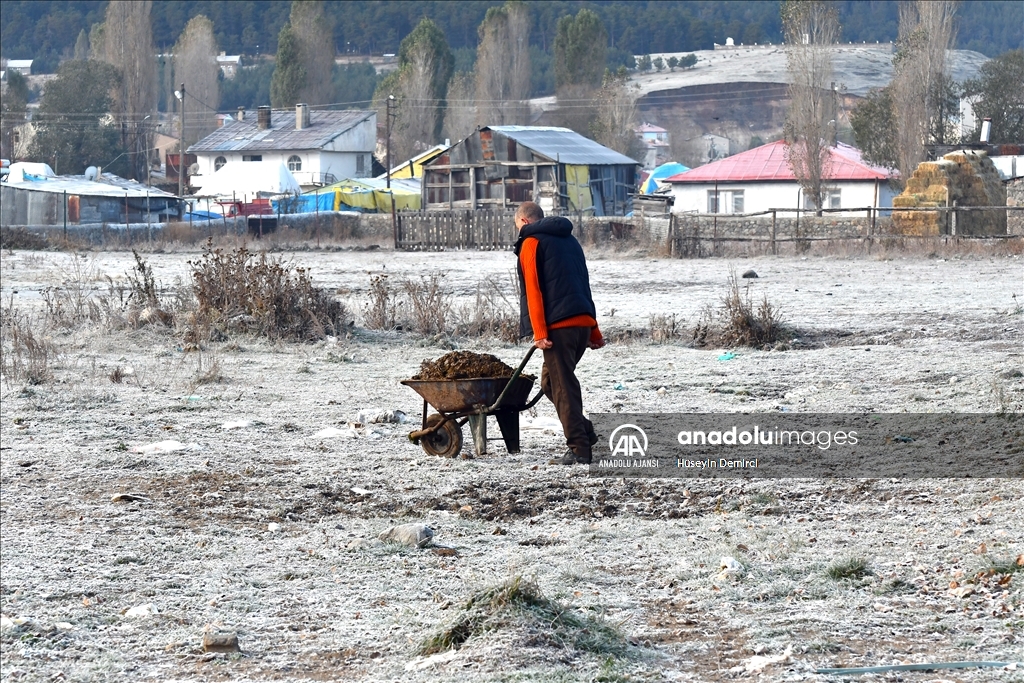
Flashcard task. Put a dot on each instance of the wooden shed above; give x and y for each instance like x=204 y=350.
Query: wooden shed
x=501 y=166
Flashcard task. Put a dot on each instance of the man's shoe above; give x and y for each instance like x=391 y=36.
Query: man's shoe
x=569 y=458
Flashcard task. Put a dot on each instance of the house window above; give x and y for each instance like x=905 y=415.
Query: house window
x=360 y=164
x=725 y=201
x=252 y=157
x=294 y=163
x=830 y=199
x=218 y=163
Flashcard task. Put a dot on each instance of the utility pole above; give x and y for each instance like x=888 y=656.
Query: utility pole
x=835 y=114
x=181 y=142
x=391 y=197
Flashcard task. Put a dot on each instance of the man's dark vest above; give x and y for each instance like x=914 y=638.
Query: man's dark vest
x=562 y=271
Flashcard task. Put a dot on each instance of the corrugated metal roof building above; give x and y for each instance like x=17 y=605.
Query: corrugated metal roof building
x=47 y=200
x=501 y=166
x=318 y=147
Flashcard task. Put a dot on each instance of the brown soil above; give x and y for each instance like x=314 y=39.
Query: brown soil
x=464 y=365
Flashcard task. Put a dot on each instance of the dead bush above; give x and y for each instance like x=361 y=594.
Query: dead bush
x=250 y=292
x=430 y=303
x=382 y=312
x=26 y=351
x=493 y=313
x=664 y=328
x=738 y=322
x=21 y=238
x=743 y=324
x=73 y=302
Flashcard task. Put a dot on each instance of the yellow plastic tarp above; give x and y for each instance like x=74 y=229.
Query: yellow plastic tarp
x=577 y=187
x=365 y=196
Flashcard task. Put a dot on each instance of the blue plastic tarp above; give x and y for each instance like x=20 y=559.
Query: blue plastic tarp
x=664 y=171
x=305 y=203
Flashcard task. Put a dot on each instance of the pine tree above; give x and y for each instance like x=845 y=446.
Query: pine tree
x=289 y=74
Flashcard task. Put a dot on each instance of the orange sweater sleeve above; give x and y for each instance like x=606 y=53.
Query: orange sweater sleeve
x=534 y=298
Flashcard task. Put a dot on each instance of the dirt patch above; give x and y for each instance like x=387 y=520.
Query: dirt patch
x=464 y=365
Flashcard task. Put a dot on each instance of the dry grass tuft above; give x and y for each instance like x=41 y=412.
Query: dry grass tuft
x=26 y=351
x=519 y=604
x=426 y=307
x=849 y=568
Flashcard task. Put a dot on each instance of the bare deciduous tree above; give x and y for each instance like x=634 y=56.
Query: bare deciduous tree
x=811 y=29
x=460 y=115
x=420 y=87
x=925 y=33
x=128 y=46
x=503 y=66
x=616 y=116
x=195 y=64
x=315 y=37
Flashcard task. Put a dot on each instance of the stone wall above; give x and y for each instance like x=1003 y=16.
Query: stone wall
x=1015 y=197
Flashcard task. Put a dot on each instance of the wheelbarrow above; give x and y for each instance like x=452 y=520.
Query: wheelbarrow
x=458 y=401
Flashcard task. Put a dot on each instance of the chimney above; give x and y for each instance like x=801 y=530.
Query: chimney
x=263 y=117
x=301 y=116
x=241 y=113
x=986 y=130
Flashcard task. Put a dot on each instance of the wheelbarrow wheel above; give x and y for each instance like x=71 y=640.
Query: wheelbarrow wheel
x=446 y=441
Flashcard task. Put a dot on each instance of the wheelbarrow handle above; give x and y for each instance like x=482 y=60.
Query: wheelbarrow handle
x=512 y=379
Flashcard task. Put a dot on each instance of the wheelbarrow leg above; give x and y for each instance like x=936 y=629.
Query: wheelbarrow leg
x=508 y=423
x=478 y=425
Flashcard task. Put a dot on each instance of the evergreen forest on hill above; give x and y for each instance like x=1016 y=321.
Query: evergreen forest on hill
x=46 y=30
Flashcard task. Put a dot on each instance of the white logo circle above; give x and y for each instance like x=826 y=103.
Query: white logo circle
x=612 y=446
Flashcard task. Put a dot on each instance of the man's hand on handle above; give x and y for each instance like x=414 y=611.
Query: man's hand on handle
x=542 y=343
x=597 y=344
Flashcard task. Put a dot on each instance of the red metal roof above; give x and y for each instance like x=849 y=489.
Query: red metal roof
x=768 y=163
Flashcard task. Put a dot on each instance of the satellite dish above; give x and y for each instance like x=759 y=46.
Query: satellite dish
x=91 y=173
x=193 y=169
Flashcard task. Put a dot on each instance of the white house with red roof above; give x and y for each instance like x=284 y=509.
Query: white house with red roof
x=761 y=179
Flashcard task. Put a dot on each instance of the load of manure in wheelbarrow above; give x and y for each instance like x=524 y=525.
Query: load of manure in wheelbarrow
x=465 y=365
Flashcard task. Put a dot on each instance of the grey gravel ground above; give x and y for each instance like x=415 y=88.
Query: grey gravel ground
x=266 y=530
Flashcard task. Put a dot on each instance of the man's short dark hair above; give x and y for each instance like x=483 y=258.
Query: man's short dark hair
x=530 y=211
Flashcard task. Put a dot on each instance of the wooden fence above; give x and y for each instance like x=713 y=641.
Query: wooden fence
x=440 y=230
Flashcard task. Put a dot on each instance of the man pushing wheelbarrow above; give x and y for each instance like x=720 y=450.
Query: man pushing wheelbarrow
x=557 y=309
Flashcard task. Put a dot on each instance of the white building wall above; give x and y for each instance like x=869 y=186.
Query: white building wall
x=315 y=163
x=693 y=197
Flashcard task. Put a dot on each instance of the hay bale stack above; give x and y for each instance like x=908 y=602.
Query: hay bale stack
x=962 y=178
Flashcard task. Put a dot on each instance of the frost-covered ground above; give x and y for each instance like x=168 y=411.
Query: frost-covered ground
x=268 y=530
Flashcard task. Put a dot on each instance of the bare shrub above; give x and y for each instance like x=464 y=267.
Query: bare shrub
x=26 y=351
x=702 y=331
x=493 y=313
x=22 y=238
x=117 y=375
x=743 y=324
x=430 y=303
x=738 y=322
x=253 y=292
x=664 y=328
x=381 y=313
x=72 y=304
x=142 y=284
